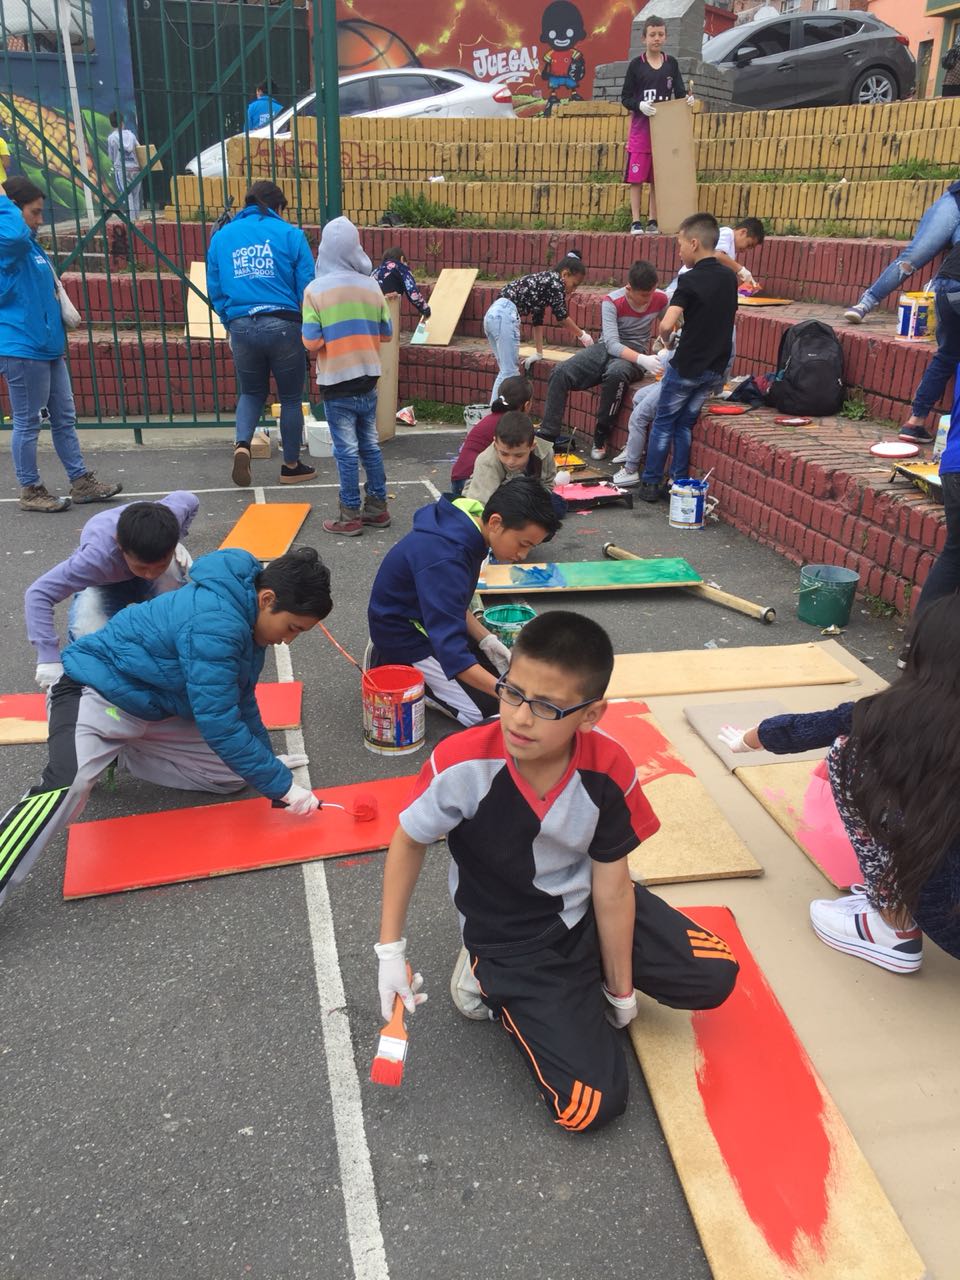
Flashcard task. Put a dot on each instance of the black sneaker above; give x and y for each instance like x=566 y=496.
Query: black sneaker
x=636 y=228
x=652 y=229
x=649 y=492
x=917 y=435
x=902 y=657
x=297 y=473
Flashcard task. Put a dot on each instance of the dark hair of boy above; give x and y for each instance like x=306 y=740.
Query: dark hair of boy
x=652 y=20
x=574 y=644
x=753 y=227
x=572 y=262
x=394 y=254
x=267 y=195
x=898 y=768
x=515 y=429
x=267 y=87
x=148 y=530
x=521 y=502
x=116 y=119
x=642 y=275
x=22 y=191
x=703 y=227
x=300 y=581
x=515 y=392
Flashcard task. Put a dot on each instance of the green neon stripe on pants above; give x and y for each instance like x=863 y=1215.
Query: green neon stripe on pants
x=17 y=838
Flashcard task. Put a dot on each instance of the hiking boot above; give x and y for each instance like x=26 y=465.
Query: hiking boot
x=917 y=435
x=465 y=990
x=856 y=313
x=649 y=492
x=297 y=473
x=241 y=465
x=34 y=497
x=375 y=513
x=87 y=488
x=851 y=925
x=348 y=524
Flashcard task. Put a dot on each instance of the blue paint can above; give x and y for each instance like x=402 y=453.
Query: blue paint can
x=688 y=503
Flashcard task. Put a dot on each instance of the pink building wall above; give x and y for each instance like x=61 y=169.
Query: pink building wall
x=910 y=18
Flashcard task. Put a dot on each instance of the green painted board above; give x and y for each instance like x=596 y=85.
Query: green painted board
x=587 y=575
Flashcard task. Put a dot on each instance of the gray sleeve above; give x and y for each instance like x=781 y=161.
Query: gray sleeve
x=609 y=329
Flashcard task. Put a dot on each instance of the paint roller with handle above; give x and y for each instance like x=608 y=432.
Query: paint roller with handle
x=764 y=613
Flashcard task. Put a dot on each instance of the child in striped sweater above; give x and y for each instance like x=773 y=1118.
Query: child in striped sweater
x=345 y=318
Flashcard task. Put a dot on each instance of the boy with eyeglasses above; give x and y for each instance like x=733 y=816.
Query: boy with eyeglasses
x=540 y=810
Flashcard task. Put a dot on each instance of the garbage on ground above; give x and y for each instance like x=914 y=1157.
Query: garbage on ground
x=407 y=416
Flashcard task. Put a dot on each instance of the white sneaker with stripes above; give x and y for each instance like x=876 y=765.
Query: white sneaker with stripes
x=851 y=925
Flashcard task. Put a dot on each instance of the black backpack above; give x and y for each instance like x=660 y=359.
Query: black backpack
x=809 y=378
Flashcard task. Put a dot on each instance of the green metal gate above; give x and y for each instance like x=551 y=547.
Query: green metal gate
x=181 y=73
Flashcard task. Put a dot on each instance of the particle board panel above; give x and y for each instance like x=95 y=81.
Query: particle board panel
x=554 y=355
x=707 y=721
x=280 y=703
x=267 y=529
x=754 y=300
x=776 y=1183
x=674 y=164
x=798 y=797
x=586 y=575
x=447 y=300
x=202 y=321
x=647 y=675
x=175 y=845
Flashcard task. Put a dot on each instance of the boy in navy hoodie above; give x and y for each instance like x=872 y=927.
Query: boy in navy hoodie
x=419 y=611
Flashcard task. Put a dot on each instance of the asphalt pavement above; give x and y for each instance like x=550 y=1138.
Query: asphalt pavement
x=184 y=1080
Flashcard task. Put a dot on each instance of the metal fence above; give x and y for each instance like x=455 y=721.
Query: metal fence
x=179 y=74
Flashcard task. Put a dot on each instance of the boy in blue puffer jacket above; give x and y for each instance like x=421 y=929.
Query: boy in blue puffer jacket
x=168 y=689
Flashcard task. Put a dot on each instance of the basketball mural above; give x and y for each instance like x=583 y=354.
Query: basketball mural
x=501 y=44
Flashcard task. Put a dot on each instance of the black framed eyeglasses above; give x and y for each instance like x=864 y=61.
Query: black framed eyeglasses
x=542 y=710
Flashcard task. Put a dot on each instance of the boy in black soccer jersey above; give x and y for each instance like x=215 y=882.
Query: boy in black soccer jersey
x=540 y=810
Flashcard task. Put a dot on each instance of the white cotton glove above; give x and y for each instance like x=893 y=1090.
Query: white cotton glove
x=648 y=108
x=300 y=801
x=732 y=739
x=690 y=100
x=745 y=278
x=561 y=478
x=496 y=651
x=649 y=364
x=47 y=674
x=294 y=759
x=529 y=362
x=392 y=979
x=585 y=339
x=623 y=1009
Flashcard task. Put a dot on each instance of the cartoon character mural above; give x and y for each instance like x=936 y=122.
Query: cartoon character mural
x=563 y=66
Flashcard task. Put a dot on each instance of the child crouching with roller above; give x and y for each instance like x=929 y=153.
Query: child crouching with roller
x=893 y=770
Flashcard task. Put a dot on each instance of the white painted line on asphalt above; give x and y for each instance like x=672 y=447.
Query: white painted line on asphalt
x=258 y=494
x=266 y=488
x=431 y=488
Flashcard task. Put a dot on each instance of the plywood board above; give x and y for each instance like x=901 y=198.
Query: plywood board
x=648 y=675
x=707 y=721
x=553 y=355
x=695 y=840
x=23 y=718
x=586 y=575
x=674 y=164
x=222 y=839
x=202 y=321
x=754 y=300
x=776 y=1183
x=447 y=300
x=798 y=797
x=267 y=529
x=389 y=377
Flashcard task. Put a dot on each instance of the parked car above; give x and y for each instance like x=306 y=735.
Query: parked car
x=814 y=60
x=399 y=91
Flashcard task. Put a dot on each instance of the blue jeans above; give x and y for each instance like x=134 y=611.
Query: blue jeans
x=262 y=345
x=944 y=577
x=34 y=384
x=681 y=400
x=353 y=427
x=943 y=365
x=939 y=228
x=501 y=324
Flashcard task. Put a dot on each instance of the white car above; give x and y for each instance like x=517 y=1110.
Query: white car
x=401 y=91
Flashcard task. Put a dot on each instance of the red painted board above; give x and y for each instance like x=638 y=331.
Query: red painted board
x=220 y=839
x=23 y=706
x=280 y=703
x=650 y=751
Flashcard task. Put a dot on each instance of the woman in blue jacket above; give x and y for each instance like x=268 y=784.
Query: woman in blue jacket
x=168 y=689
x=257 y=269
x=32 y=342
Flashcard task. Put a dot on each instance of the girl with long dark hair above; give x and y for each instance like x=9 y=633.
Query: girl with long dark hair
x=893 y=768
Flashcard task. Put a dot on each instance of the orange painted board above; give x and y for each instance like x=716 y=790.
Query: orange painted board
x=266 y=529
x=775 y=1181
x=174 y=845
x=755 y=300
x=281 y=704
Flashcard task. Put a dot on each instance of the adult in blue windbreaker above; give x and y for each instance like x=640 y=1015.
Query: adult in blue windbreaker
x=258 y=266
x=264 y=106
x=168 y=689
x=32 y=343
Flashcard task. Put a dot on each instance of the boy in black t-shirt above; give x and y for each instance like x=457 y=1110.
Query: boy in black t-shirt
x=706 y=300
x=540 y=810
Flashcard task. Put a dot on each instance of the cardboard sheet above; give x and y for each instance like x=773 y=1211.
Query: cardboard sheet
x=646 y=675
x=777 y=1185
x=267 y=529
x=695 y=840
x=797 y=796
x=447 y=300
x=222 y=839
x=707 y=721
x=202 y=321
x=586 y=575
x=674 y=164
x=389 y=377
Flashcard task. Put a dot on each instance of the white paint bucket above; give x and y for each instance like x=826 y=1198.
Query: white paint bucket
x=688 y=503
x=393 y=713
x=319 y=439
x=915 y=311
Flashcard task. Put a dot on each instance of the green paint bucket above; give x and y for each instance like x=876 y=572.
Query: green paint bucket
x=506 y=621
x=826 y=595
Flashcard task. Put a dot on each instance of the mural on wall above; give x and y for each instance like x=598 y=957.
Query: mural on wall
x=502 y=44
